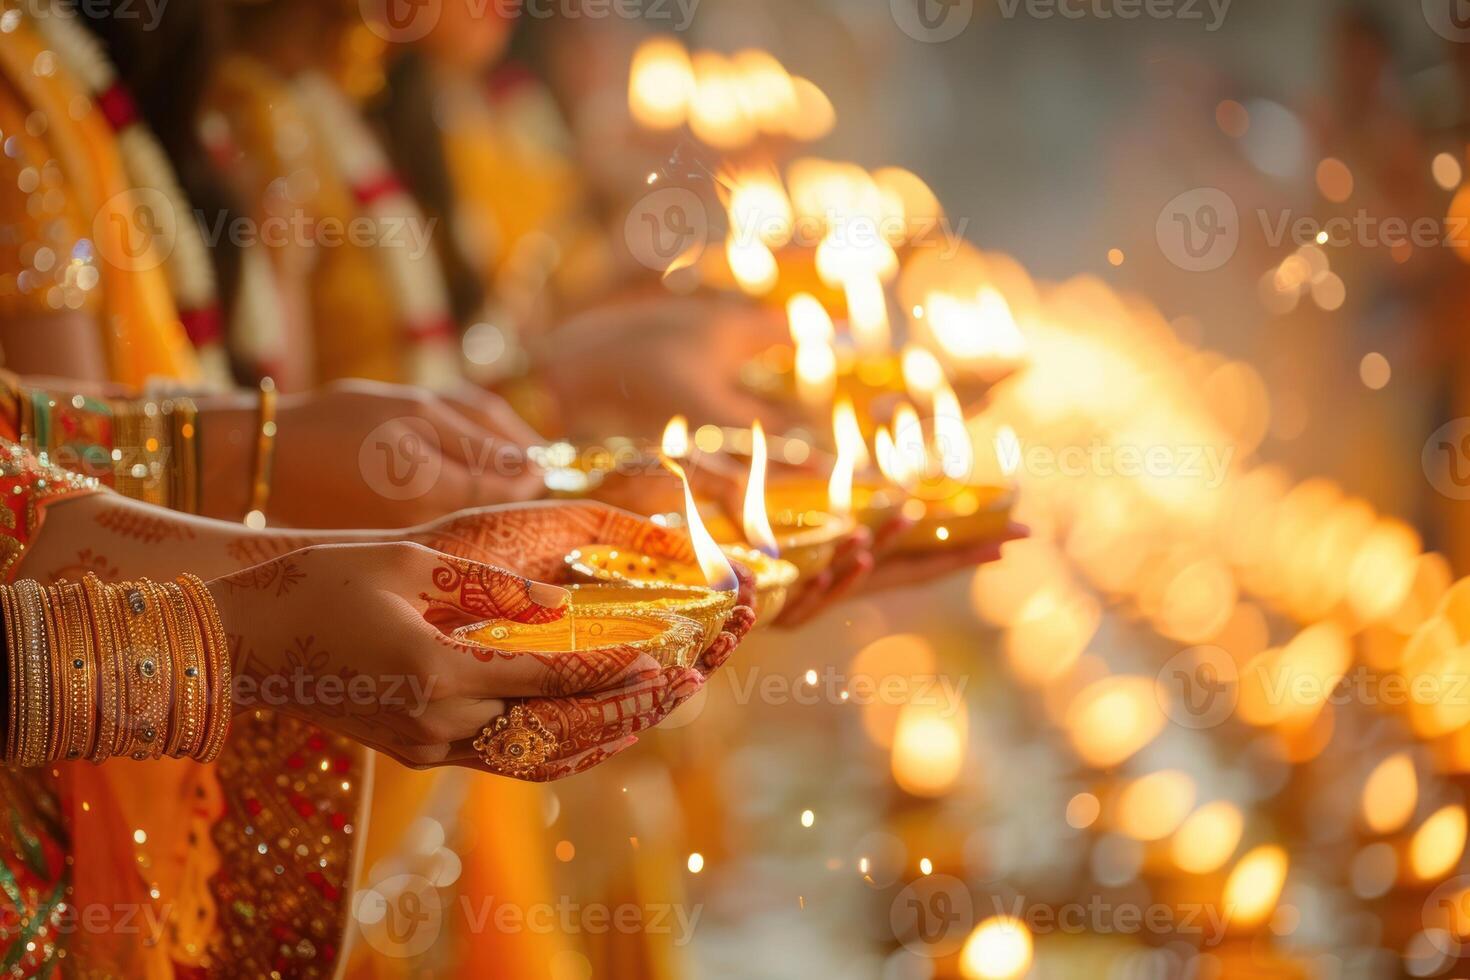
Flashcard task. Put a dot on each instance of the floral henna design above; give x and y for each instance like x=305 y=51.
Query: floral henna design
x=542 y=739
x=278 y=575
x=741 y=620
x=483 y=592
x=258 y=549
x=146 y=528
x=533 y=540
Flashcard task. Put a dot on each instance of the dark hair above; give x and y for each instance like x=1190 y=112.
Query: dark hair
x=404 y=112
x=166 y=66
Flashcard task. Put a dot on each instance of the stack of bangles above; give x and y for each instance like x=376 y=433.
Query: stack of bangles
x=95 y=670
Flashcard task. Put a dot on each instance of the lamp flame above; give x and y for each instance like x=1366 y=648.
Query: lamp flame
x=952 y=444
x=676 y=438
x=712 y=561
x=856 y=250
x=923 y=375
x=848 y=435
x=886 y=454
x=752 y=264
x=758 y=207
x=661 y=84
x=757 y=524
x=867 y=314
x=715 y=114
x=808 y=320
x=972 y=330
x=1008 y=451
x=910 y=456
x=849 y=441
x=816 y=361
x=816 y=373
x=684 y=260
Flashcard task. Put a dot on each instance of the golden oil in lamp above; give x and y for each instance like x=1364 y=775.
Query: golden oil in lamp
x=672 y=640
x=608 y=565
x=617 y=577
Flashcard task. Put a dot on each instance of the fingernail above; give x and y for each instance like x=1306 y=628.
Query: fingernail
x=552 y=596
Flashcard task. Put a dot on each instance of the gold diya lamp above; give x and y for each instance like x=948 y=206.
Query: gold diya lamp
x=671 y=639
x=571 y=471
x=949 y=510
x=818 y=366
x=610 y=574
x=710 y=608
x=613 y=565
x=805 y=539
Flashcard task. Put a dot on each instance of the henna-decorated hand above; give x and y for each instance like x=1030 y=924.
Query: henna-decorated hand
x=542 y=739
x=355 y=637
x=533 y=538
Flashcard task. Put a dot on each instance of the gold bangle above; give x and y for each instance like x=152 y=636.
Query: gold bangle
x=58 y=717
x=141 y=671
x=265 y=449
x=161 y=683
x=105 y=650
x=186 y=720
x=79 y=669
x=14 y=647
x=219 y=670
x=36 y=697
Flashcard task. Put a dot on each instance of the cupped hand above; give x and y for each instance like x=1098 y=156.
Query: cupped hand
x=534 y=538
x=356 y=638
x=542 y=739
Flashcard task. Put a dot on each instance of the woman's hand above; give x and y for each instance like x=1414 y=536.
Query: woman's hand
x=366 y=454
x=641 y=363
x=356 y=638
x=533 y=538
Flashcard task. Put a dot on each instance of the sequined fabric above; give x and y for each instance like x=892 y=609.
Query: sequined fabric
x=287 y=845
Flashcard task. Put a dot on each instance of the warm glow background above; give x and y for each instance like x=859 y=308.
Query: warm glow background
x=1061 y=774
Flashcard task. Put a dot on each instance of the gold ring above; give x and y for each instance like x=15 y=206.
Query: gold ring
x=515 y=744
